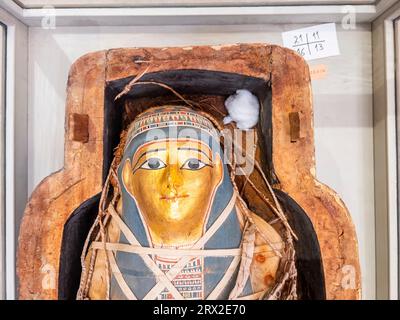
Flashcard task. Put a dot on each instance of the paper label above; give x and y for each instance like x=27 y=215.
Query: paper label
x=313 y=42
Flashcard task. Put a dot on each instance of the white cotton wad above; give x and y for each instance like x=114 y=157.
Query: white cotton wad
x=243 y=108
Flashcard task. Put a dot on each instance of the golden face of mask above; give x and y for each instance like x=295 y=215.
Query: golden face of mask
x=173 y=183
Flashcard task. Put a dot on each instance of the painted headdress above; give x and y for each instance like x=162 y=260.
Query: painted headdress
x=222 y=229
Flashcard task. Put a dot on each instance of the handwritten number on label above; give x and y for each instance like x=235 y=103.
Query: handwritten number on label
x=316 y=35
x=313 y=42
x=319 y=47
x=298 y=39
x=301 y=51
x=308 y=42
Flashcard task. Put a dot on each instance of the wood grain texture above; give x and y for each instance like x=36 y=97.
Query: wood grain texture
x=58 y=195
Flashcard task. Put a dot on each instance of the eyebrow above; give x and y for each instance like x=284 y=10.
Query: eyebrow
x=195 y=149
x=147 y=152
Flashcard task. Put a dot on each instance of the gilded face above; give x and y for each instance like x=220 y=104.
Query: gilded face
x=173 y=183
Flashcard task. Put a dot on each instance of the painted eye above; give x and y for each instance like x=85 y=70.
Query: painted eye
x=193 y=164
x=153 y=164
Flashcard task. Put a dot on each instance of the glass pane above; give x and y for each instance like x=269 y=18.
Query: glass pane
x=397 y=39
x=2 y=126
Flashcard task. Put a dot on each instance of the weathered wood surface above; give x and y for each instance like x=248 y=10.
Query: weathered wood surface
x=58 y=195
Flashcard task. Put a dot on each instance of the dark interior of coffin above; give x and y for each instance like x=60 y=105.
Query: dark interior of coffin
x=311 y=284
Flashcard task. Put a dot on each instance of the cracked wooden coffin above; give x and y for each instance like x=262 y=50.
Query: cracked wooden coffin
x=122 y=220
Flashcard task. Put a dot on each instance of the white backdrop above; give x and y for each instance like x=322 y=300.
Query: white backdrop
x=342 y=105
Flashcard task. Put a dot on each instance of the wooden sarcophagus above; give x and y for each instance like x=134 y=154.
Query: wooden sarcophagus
x=156 y=199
